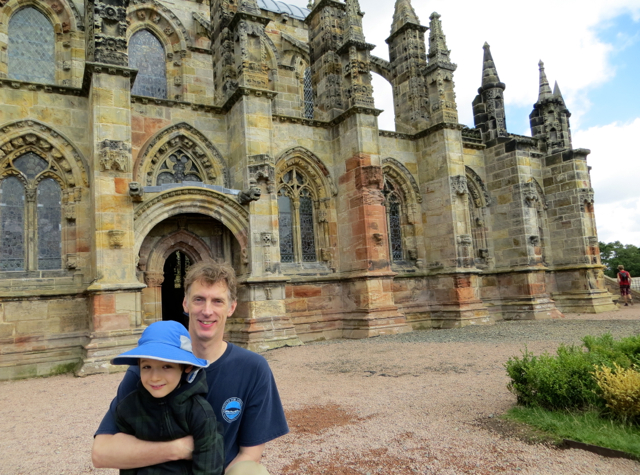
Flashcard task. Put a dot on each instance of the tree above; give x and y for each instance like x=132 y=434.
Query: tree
x=615 y=253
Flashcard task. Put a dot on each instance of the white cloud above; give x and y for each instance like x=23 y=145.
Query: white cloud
x=564 y=34
x=615 y=162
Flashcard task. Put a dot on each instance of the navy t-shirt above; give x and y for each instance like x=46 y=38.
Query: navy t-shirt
x=243 y=395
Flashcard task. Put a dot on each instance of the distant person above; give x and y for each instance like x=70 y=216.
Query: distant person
x=624 y=280
x=169 y=402
x=242 y=390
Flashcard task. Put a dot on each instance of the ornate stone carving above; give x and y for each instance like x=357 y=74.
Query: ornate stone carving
x=166 y=141
x=70 y=212
x=534 y=240
x=114 y=155
x=136 y=191
x=459 y=185
x=116 y=238
x=153 y=279
x=107 y=32
x=32 y=136
x=586 y=198
x=247 y=196
x=72 y=261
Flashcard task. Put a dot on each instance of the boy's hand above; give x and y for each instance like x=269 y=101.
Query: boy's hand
x=184 y=448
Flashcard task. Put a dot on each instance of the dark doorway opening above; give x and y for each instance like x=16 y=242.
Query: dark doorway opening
x=175 y=269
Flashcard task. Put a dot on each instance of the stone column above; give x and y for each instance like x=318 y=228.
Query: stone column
x=114 y=302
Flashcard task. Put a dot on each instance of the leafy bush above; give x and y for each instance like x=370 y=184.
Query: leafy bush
x=625 y=352
x=567 y=381
x=621 y=390
x=560 y=382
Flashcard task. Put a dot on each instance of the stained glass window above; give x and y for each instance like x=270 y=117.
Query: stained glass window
x=146 y=54
x=31 y=165
x=297 y=226
x=12 y=206
x=49 y=225
x=177 y=168
x=308 y=94
x=307 y=237
x=394 y=209
x=285 y=229
x=31 y=48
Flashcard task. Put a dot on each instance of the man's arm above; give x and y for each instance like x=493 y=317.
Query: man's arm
x=124 y=451
x=248 y=453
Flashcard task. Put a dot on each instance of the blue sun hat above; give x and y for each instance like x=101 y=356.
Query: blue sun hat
x=164 y=341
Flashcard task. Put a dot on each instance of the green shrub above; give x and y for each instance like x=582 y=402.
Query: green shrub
x=563 y=381
x=566 y=381
x=624 y=352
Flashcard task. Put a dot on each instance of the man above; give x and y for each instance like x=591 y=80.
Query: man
x=242 y=390
x=624 y=280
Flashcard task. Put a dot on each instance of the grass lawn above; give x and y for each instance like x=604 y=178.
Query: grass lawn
x=585 y=427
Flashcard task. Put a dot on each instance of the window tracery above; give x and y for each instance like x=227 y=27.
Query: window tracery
x=30 y=215
x=31 y=47
x=297 y=209
x=178 y=167
x=393 y=204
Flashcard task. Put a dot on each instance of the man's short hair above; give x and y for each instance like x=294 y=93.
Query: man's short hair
x=620 y=267
x=210 y=272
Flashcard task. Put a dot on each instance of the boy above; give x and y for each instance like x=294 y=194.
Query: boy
x=169 y=402
x=624 y=280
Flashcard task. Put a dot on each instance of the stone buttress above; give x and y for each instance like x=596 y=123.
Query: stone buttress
x=114 y=295
x=243 y=89
x=453 y=277
x=340 y=57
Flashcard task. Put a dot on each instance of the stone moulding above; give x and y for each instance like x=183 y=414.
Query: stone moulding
x=151 y=153
x=35 y=134
x=175 y=201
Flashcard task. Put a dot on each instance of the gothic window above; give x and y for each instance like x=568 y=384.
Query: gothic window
x=478 y=227
x=393 y=204
x=31 y=48
x=146 y=54
x=178 y=167
x=308 y=94
x=296 y=218
x=30 y=217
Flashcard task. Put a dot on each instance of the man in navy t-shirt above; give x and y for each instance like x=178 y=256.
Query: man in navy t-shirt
x=242 y=390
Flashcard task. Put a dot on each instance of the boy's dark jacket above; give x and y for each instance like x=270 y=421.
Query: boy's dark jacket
x=184 y=411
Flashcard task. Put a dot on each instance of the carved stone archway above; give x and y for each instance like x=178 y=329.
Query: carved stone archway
x=153 y=255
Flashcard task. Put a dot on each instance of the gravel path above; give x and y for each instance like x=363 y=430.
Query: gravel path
x=416 y=403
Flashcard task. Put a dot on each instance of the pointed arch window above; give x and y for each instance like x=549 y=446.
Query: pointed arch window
x=30 y=216
x=31 y=48
x=296 y=203
x=478 y=225
x=393 y=204
x=147 y=55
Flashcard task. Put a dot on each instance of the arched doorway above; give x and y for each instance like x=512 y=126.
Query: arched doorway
x=172 y=294
x=166 y=254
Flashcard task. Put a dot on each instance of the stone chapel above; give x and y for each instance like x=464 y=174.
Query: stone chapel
x=140 y=136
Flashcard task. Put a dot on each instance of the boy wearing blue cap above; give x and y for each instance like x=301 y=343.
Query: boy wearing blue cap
x=169 y=402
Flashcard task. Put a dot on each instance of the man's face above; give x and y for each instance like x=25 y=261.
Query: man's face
x=159 y=377
x=208 y=308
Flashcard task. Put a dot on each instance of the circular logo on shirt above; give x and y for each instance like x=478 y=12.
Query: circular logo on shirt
x=231 y=409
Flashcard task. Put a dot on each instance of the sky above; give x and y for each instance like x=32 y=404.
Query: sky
x=590 y=47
